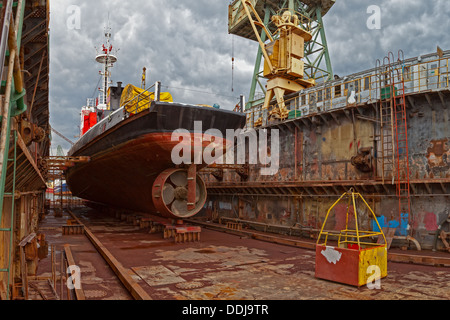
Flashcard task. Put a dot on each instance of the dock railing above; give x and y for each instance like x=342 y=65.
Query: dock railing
x=430 y=75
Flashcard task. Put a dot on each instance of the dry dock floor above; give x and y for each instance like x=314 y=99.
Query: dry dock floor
x=219 y=267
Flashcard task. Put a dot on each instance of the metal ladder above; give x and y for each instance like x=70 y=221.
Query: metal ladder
x=394 y=132
x=387 y=94
x=401 y=142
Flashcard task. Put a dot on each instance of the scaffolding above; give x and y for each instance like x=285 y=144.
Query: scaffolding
x=12 y=103
x=24 y=139
x=58 y=195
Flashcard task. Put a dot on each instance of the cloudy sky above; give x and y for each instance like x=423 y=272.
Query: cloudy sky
x=185 y=44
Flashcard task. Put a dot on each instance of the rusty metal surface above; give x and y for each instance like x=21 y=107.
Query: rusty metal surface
x=228 y=267
x=24 y=175
x=346 y=271
x=315 y=166
x=428 y=258
x=132 y=286
x=79 y=293
x=438 y=154
x=98 y=280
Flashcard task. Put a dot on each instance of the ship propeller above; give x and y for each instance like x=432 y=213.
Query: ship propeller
x=179 y=193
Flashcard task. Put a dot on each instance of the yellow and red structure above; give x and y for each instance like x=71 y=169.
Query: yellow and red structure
x=353 y=258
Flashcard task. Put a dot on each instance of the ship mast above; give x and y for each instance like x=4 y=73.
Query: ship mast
x=107 y=58
x=89 y=113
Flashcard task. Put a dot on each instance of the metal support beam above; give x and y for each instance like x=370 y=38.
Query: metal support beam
x=259 y=55
x=316 y=50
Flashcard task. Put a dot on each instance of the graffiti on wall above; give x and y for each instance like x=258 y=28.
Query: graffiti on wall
x=401 y=226
x=438 y=155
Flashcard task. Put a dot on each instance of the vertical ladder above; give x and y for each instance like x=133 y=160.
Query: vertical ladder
x=387 y=94
x=401 y=143
x=10 y=229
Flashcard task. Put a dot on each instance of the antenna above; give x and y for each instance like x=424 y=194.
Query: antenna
x=144 y=76
x=106 y=56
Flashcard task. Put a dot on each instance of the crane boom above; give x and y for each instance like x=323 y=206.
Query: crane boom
x=62 y=136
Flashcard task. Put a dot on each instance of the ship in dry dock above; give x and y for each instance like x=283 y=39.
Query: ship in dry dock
x=380 y=133
x=127 y=136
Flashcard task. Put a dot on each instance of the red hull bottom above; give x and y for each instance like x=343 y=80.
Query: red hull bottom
x=123 y=176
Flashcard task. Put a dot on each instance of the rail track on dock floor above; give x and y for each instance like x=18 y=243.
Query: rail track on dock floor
x=130 y=284
x=229 y=264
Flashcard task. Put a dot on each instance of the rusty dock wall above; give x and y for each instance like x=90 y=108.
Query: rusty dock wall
x=316 y=167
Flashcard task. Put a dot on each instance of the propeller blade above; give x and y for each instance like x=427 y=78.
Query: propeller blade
x=179 y=179
x=168 y=193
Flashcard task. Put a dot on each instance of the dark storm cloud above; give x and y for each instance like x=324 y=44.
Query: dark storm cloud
x=186 y=45
x=414 y=26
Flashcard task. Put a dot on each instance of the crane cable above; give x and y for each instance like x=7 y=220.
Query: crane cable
x=232 y=63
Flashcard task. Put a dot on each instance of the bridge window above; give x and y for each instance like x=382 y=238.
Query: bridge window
x=367 y=83
x=337 y=90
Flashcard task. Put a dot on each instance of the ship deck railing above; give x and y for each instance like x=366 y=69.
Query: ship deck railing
x=431 y=75
x=137 y=101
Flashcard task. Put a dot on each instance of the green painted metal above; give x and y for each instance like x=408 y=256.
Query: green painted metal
x=316 y=51
x=11 y=234
x=326 y=52
x=257 y=73
x=16 y=107
x=14 y=102
x=59 y=151
x=4 y=172
x=14 y=5
x=291 y=6
x=18 y=97
x=11 y=228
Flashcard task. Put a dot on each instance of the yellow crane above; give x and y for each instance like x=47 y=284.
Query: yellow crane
x=283 y=54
